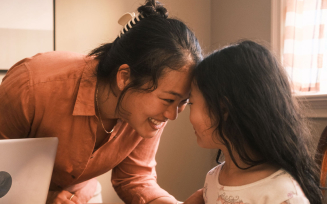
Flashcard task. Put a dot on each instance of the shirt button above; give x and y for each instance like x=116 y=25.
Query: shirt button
x=73 y=177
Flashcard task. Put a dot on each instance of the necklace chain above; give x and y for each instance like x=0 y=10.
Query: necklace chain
x=96 y=99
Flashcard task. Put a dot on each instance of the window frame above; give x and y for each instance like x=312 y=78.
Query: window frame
x=316 y=102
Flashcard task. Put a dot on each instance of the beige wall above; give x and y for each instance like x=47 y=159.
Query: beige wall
x=82 y=25
x=317 y=126
x=2 y=74
x=91 y=23
x=238 y=19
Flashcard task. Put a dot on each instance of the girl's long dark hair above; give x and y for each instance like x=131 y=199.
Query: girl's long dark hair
x=263 y=116
x=150 y=46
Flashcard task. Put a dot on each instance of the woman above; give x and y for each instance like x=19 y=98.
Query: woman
x=108 y=109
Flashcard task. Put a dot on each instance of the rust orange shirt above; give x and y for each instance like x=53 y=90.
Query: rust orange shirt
x=52 y=95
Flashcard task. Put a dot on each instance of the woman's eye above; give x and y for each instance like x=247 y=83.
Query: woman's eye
x=168 y=100
x=185 y=101
x=189 y=103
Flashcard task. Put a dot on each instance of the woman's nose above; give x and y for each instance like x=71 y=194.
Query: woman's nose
x=171 y=113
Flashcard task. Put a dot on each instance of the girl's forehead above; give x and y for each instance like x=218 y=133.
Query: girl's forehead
x=194 y=87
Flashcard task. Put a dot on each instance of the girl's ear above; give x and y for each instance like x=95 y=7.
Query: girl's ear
x=123 y=76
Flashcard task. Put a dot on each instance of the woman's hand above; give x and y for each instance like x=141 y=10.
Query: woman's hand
x=62 y=197
x=196 y=198
x=86 y=193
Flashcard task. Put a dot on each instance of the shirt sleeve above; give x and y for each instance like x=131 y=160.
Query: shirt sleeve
x=297 y=200
x=135 y=178
x=15 y=103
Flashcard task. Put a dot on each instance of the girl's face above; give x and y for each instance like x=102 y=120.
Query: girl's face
x=150 y=111
x=206 y=137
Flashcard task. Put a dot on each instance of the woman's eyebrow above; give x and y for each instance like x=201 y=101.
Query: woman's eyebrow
x=174 y=93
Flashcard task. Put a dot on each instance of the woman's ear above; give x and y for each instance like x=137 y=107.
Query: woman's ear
x=225 y=114
x=123 y=76
x=225 y=110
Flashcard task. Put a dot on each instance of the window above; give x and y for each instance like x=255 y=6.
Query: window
x=299 y=39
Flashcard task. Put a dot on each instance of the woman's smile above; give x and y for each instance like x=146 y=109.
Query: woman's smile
x=156 y=124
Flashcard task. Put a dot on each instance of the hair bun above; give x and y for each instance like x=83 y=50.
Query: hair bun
x=152 y=7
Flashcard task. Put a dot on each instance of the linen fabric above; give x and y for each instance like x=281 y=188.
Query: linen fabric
x=305 y=44
x=52 y=95
x=275 y=189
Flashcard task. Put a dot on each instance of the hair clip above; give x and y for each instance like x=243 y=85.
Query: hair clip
x=128 y=20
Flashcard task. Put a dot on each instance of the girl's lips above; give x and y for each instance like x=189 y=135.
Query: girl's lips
x=155 y=124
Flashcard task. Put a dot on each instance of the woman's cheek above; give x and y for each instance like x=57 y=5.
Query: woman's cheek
x=181 y=108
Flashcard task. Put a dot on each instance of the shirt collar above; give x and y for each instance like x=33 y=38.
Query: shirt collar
x=84 y=104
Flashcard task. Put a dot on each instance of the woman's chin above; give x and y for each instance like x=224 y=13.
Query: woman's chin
x=148 y=134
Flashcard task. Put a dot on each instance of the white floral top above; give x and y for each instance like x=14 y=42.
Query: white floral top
x=275 y=189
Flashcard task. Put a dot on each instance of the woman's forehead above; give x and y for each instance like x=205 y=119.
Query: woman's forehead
x=176 y=82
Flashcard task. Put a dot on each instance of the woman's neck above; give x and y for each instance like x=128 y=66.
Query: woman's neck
x=105 y=102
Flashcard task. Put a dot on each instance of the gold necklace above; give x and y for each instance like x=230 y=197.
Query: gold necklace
x=96 y=99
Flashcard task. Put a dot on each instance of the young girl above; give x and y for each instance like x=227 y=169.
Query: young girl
x=241 y=104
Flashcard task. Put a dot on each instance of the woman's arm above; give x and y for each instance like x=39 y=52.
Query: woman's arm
x=16 y=104
x=84 y=191
x=196 y=198
x=164 y=200
x=60 y=197
x=135 y=178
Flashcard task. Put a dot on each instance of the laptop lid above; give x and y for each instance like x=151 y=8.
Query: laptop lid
x=26 y=167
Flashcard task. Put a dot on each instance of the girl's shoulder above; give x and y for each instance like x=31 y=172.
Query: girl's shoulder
x=284 y=184
x=279 y=187
x=215 y=170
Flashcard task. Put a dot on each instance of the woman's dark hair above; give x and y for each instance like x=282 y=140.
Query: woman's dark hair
x=246 y=80
x=152 y=45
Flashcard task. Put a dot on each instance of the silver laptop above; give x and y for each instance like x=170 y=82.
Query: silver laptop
x=25 y=169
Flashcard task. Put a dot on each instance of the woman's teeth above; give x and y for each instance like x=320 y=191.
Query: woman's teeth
x=155 y=121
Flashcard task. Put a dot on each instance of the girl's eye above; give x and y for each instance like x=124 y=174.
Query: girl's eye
x=189 y=103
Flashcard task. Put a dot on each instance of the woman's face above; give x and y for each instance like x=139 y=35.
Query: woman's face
x=200 y=120
x=150 y=111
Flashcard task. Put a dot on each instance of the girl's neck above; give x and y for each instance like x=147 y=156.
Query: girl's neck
x=231 y=175
x=229 y=163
